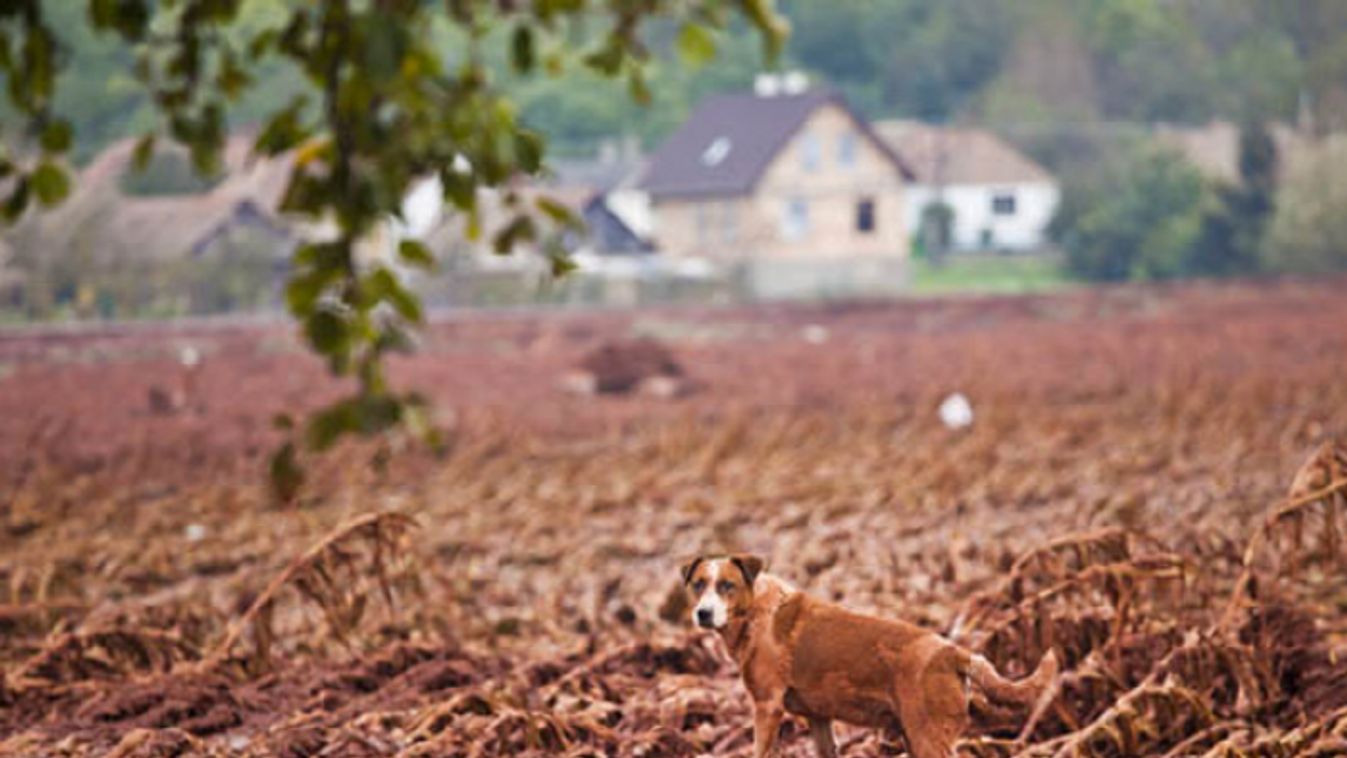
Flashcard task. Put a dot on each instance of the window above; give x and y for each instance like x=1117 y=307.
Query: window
x=795 y=221
x=1003 y=204
x=809 y=152
x=846 y=150
x=716 y=152
x=729 y=222
x=865 y=216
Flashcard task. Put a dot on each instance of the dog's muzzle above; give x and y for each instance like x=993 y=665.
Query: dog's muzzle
x=705 y=618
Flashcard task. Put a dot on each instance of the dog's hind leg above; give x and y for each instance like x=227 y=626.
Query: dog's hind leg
x=934 y=712
x=822 y=732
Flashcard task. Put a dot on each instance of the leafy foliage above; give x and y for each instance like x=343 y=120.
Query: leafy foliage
x=1151 y=216
x=1234 y=229
x=381 y=108
x=1137 y=218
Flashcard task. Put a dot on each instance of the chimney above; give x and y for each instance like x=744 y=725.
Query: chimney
x=794 y=82
x=767 y=85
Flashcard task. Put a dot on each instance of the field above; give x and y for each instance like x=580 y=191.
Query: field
x=1130 y=494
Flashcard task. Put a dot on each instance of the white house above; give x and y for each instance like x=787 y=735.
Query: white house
x=1001 y=199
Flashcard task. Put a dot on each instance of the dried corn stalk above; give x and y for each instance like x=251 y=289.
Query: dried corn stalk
x=332 y=576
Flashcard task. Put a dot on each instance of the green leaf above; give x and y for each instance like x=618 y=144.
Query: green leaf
x=773 y=27
x=383 y=286
x=608 y=58
x=330 y=424
x=520 y=229
x=561 y=264
x=50 y=183
x=695 y=45
x=232 y=79
x=529 y=151
x=17 y=201
x=303 y=291
x=140 y=157
x=385 y=44
x=522 y=55
x=637 y=87
x=377 y=414
x=57 y=136
x=560 y=214
x=129 y=18
x=416 y=254
x=285 y=130
x=328 y=332
x=285 y=473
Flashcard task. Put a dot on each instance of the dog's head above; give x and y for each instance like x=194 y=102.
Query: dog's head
x=721 y=587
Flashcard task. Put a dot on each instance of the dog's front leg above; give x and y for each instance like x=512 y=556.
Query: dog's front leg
x=766 y=725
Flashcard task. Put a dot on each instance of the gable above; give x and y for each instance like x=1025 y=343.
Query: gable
x=832 y=149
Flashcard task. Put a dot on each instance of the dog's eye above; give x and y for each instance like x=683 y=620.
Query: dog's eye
x=725 y=588
x=699 y=585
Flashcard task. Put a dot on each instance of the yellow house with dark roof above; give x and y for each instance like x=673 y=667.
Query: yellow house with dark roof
x=777 y=174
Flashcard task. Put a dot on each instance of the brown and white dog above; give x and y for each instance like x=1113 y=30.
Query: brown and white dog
x=815 y=659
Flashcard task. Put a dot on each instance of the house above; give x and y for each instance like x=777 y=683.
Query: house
x=604 y=192
x=786 y=174
x=1000 y=198
x=135 y=222
x=163 y=239
x=1213 y=148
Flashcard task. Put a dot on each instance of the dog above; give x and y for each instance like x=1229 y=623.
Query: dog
x=798 y=654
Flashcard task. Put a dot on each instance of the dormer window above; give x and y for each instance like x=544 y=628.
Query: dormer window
x=716 y=152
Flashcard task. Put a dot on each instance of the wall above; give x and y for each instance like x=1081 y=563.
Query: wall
x=972 y=204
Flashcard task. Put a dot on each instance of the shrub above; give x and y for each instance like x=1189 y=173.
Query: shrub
x=1136 y=218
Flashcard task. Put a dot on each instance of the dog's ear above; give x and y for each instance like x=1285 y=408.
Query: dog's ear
x=750 y=565
x=690 y=567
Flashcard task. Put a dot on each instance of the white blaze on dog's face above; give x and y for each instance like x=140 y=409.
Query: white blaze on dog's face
x=721 y=588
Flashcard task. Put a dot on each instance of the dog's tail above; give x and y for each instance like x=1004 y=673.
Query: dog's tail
x=1034 y=690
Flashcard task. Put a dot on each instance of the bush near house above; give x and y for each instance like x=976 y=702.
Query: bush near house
x=1138 y=218
x=1151 y=215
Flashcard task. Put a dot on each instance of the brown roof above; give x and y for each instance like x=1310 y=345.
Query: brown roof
x=959 y=155
x=100 y=217
x=753 y=130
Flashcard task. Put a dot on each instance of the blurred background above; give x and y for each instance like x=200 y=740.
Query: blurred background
x=982 y=145
x=1020 y=321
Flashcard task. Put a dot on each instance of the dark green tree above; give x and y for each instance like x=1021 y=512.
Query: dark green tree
x=1235 y=226
x=1137 y=218
x=382 y=106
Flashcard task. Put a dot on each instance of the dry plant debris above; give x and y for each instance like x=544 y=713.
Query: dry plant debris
x=1154 y=488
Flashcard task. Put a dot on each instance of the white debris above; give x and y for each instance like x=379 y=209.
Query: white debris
x=815 y=334
x=194 y=532
x=956 y=412
x=189 y=356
